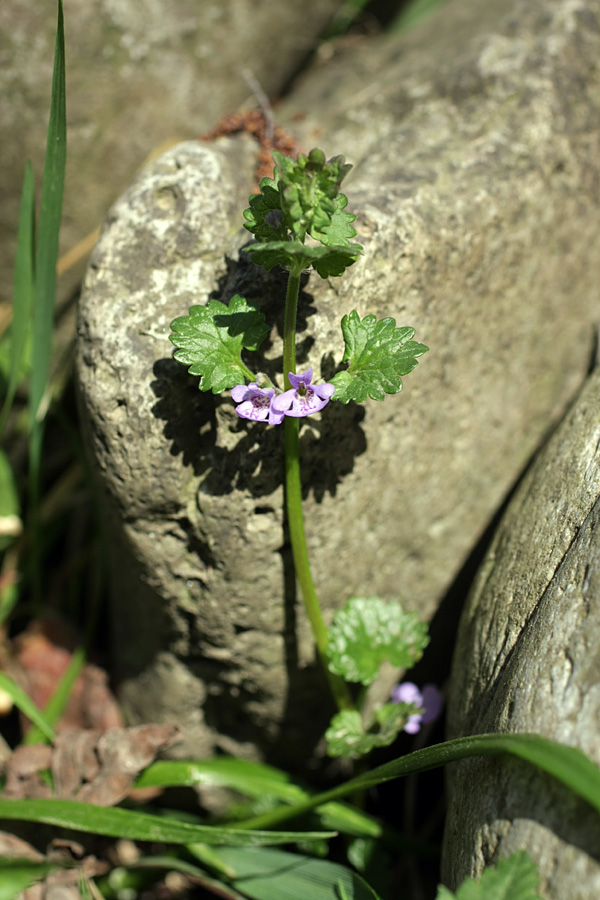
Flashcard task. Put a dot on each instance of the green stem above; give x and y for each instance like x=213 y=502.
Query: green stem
x=289 y=328
x=293 y=494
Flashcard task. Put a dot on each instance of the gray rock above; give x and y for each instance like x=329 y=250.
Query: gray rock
x=139 y=74
x=474 y=185
x=527 y=660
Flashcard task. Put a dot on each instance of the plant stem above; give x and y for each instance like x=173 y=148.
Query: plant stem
x=293 y=494
x=289 y=329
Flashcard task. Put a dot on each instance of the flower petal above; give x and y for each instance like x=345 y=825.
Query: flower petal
x=282 y=402
x=275 y=417
x=250 y=410
x=303 y=378
x=306 y=404
x=407 y=692
x=433 y=703
x=324 y=391
x=413 y=725
x=239 y=392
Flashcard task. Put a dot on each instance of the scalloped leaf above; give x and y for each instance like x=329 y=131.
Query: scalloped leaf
x=346 y=736
x=378 y=355
x=339 y=230
x=515 y=878
x=309 y=187
x=327 y=261
x=367 y=632
x=210 y=340
x=264 y=218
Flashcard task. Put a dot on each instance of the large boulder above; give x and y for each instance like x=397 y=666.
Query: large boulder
x=528 y=660
x=474 y=188
x=139 y=75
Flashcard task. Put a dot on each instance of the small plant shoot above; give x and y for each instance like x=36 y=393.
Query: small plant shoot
x=219 y=343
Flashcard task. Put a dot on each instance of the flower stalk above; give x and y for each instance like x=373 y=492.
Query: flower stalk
x=293 y=495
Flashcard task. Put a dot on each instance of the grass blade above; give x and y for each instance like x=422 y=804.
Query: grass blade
x=24 y=281
x=567 y=764
x=45 y=285
x=248 y=777
x=413 y=13
x=136 y=826
x=59 y=699
x=17 y=875
x=49 y=227
x=23 y=702
x=255 y=780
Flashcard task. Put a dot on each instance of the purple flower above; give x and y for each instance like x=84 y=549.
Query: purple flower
x=303 y=398
x=256 y=403
x=429 y=700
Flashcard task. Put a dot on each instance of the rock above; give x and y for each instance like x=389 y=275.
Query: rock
x=139 y=74
x=527 y=660
x=475 y=188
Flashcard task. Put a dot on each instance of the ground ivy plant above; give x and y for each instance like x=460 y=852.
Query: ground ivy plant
x=299 y=221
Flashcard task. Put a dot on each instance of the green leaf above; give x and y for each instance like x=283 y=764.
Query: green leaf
x=264 y=217
x=23 y=702
x=293 y=255
x=412 y=13
x=515 y=878
x=308 y=190
x=48 y=232
x=211 y=338
x=278 y=875
x=339 y=230
x=303 y=198
x=346 y=736
x=378 y=354
x=367 y=632
x=568 y=764
x=44 y=294
x=24 y=282
x=243 y=775
x=10 y=507
x=16 y=876
x=136 y=826
x=59 y=699
x=256 y=780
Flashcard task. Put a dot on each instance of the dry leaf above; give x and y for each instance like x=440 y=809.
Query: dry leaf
x=42 y=655
x=90 y=765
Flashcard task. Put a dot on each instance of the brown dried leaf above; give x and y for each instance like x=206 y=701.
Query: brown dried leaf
x=74 y=760
x=63 y=884
x=100 y=768
x=23 y=769
x=42 y=655
x=16 y=848
x=91 y=766
x=123 y=753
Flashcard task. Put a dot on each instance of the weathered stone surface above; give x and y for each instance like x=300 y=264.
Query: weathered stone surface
x=476 y=188
x=527 y=660
x=139 y=73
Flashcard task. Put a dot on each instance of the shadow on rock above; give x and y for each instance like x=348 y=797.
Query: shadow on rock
x=228 y=453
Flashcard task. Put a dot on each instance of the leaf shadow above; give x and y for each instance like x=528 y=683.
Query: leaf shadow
x=228 y=453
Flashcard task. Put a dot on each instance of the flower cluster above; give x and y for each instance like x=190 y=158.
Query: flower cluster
x=429 y=700
x=263 y=404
